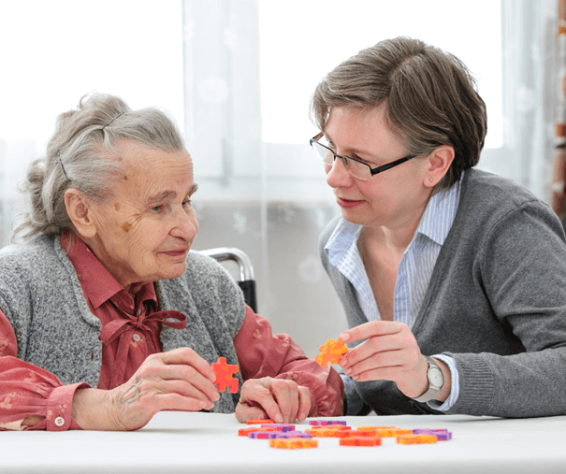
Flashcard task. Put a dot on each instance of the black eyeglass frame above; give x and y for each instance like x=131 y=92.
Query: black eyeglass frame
x=373 y=171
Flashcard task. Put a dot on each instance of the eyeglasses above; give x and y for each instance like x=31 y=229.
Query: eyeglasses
x=358 y=169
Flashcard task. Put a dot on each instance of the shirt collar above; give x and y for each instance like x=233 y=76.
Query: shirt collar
x=435 y=223
x=345 y=235
x=97 y=282
x=440 y=213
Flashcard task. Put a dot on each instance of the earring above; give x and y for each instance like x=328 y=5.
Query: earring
x=430 y=179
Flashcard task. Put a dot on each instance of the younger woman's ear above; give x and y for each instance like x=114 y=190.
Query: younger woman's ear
x=439 y=164
x=80 y=213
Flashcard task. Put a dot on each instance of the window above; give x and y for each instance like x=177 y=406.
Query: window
x=264 y=59
x=52 y=53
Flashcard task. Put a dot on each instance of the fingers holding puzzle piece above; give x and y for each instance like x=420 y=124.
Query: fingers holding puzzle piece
x=331 y=352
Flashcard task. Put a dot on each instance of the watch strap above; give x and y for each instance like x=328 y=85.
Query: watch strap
x=432 y=390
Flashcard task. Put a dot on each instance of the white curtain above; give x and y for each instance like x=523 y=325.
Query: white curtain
x=268 y=198
x=265 y=195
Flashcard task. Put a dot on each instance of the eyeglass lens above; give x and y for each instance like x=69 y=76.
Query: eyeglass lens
x=356 y=169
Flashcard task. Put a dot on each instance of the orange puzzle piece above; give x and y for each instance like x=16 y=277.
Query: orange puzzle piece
x=331 y=352
x=259 y=422
x=255 y=429
x=224 y=372
x=293 y=443
x=416 y=439
x=333 y=431
x=361 y=441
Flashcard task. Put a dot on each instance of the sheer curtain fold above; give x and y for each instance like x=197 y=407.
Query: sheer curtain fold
x=270 y=199
x=253 y=195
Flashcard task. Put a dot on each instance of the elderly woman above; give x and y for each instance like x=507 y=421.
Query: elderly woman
x=105 y=293
x=454 y=278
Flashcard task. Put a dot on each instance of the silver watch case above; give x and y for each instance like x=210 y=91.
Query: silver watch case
x=435 y=381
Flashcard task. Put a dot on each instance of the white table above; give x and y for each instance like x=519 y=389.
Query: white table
x=192 y=443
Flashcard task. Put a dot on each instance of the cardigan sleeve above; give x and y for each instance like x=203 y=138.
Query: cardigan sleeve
x=521 y=266
x=29 y=391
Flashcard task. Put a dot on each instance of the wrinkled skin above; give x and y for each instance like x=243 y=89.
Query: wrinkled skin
x=282 y=401
x=142 y=234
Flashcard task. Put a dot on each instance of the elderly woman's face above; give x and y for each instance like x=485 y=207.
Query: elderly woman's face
x=144 y=232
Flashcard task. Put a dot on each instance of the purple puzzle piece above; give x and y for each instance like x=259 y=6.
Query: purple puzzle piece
x=281 y=427
x=290 y=434
x=260 y=434
x=441 y=434
x=327 y=422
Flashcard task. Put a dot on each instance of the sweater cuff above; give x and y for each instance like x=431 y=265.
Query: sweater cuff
x=454 y=385
x=477 y=385
x=59 y=407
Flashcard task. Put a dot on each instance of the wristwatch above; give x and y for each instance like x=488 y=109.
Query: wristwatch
x=435 y=381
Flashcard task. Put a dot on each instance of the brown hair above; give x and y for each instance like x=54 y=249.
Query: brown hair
x=430 y=95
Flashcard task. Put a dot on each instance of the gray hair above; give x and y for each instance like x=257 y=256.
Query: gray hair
x=81 y=155
x=430 y=96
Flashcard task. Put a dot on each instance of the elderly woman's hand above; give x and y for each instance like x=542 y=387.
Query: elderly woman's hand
x=176 y=380
x=391 y=352
x=280 y=400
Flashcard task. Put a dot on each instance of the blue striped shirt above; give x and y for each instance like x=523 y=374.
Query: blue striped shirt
x=413 y=274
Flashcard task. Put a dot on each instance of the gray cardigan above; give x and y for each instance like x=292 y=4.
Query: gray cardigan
x=42 y=298
x=496 y=303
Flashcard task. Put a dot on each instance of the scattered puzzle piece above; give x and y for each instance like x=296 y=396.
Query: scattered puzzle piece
x=441 y=434
x=224 y=372
x=327 y=422
x=417 y=439
x=393 y=432
x=361 y=441
x=247 y=431
x=293 y=443
x=289 y=434
x=259 y=422
x=331 y=352
x=281 y=426
x=327 y=432
x=260 y=435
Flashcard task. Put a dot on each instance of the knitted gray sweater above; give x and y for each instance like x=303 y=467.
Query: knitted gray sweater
x=42 y=298
x=496 y=303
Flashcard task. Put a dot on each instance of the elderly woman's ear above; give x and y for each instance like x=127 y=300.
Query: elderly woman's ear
x=80 y=213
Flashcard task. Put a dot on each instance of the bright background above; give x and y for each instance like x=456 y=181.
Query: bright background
x=238 y=75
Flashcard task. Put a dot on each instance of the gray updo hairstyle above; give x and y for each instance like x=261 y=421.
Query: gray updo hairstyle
x=81 y=155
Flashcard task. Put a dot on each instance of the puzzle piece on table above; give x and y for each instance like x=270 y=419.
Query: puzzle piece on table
x=224 y=372
x=358 y=434
x=281 y=426
x=289 y=434
x=441 y=434
x=361 y=441
x=417 y=439
x=293 y=443
x=328 y=432
x=261 y=435
x=331 y=352
x=390 y=432
x=247 y=431
x=327 y=422
x=278 y=435
x=259 y=422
